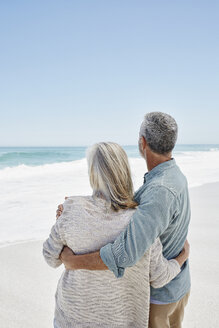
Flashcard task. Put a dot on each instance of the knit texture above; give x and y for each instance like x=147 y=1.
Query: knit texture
x=89 y=299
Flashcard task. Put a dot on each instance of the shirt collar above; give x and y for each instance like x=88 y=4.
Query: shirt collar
x=159 y=168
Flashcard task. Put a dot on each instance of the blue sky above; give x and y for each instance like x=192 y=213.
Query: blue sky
x=78 y=72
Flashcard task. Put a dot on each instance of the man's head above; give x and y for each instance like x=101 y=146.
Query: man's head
x=158 y=134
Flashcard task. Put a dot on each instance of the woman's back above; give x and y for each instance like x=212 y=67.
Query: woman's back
x=96 y=298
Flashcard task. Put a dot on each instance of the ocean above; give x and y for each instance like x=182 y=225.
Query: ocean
x=34 y=180
x=34 y=156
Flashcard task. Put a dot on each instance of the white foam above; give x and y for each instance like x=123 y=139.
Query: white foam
x=30 y=195
x=199 y=167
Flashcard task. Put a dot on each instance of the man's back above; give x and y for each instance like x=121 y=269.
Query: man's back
x=164 y=211
x=169 y=176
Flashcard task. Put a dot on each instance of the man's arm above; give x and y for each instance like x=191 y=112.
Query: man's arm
x=150 y=220
x=91 y=261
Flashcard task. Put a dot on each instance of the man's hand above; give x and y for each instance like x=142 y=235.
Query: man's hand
x=91 y=261
x=68 y=258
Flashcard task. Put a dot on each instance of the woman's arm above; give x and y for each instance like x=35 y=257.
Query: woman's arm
x=163 y=271
x=53 y=246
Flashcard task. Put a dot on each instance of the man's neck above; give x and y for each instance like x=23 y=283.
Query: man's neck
x=155 y=159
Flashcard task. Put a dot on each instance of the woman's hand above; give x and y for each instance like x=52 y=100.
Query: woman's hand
x=184 y=255
x=186 y=249
x=60 y=209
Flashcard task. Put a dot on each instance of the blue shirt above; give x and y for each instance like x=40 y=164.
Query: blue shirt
x=163 y=211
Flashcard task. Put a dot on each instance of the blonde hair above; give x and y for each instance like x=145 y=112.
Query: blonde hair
x=110 y=174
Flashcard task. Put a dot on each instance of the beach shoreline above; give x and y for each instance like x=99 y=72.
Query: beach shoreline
x=28 y=284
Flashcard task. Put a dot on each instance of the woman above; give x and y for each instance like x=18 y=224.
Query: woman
x=96 y=298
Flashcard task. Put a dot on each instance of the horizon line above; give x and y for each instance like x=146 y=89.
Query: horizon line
x=123 y=145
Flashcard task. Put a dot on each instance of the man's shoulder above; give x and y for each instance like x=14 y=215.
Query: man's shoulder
x=155 y=190
x=171 y=181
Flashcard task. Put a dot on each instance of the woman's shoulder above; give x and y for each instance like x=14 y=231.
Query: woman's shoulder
x=76 y=201
x=77 y=198
x=73 y=206
x=92 y=209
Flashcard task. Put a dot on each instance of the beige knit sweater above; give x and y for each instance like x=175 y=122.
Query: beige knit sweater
x=96 y=298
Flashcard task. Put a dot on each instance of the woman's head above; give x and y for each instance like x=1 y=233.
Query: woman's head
x=110 y=175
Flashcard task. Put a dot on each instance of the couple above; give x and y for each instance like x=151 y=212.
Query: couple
x=139 y=238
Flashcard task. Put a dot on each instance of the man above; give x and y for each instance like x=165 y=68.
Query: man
x=163 y=211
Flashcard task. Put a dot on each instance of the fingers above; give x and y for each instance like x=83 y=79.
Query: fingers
x=187 y=245
x=59 y=210
x=187 y=248
x=60 y=256
x=58 y=213
x=60 y=207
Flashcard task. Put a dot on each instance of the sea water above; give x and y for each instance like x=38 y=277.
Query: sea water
x=34 y=180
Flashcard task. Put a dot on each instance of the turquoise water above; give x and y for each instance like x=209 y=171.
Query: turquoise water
x=34 y=156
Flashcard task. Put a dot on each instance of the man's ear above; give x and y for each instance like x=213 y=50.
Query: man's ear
x=143 y=142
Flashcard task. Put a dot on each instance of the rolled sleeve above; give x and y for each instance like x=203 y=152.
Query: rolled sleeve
x=108 y=258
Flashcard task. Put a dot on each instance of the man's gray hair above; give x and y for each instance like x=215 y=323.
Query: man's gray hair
x=160 y=131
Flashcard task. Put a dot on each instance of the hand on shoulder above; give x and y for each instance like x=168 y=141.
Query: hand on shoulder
x=60 y=209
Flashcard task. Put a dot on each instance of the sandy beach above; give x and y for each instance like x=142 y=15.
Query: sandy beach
x=27 y=284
